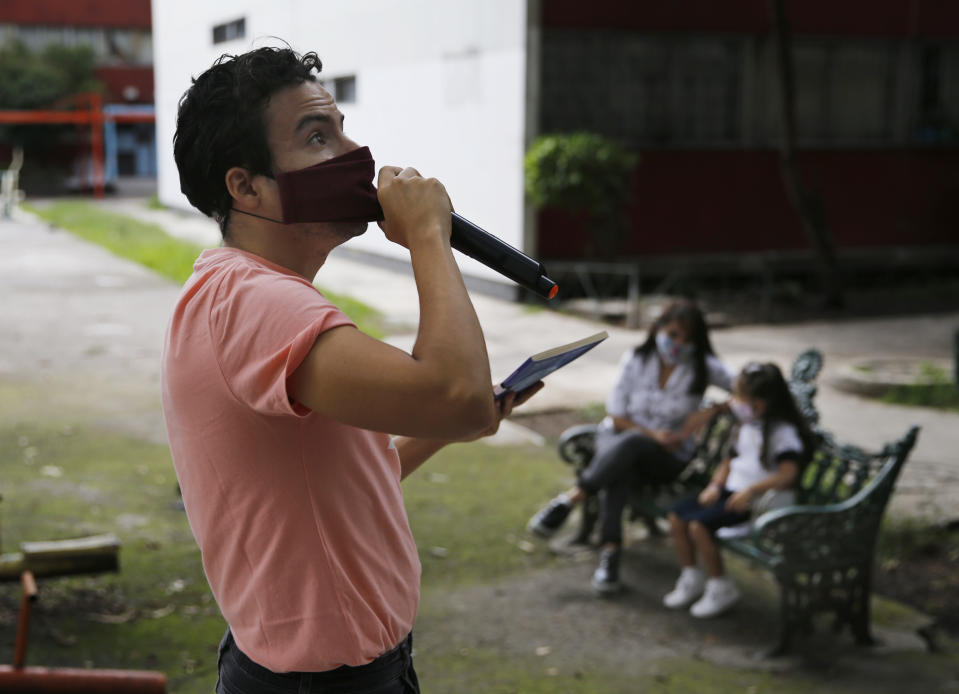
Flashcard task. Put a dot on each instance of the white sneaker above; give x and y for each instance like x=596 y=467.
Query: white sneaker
x=721 y=594
x=689 y=586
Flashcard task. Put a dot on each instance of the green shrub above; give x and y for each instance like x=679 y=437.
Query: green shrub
x=583 y=172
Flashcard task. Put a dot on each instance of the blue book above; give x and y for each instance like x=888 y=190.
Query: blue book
x=541 y=365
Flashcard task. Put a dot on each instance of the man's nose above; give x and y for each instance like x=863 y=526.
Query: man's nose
x=346 y=145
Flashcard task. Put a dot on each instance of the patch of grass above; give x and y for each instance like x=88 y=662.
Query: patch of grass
x=905 y=536
x=485 y=671
x=124 y=236
x=899 y=673
x=469 y=506
x=592 y=412
x=367 y=318
x=902 y=538
x=935 y=389
x=157 y=612
x=154 y=203
x=444 y=669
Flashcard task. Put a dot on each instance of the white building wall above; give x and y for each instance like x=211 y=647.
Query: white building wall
x=440 y=86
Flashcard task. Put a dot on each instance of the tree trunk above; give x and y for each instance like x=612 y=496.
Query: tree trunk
x=807 y=203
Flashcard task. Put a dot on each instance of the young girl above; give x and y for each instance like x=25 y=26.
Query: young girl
x=772 y=444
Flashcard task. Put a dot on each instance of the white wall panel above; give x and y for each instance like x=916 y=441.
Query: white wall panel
x=440 y=86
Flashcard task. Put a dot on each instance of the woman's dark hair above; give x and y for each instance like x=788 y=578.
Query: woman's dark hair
x=220 y=122
x=766 y=382
x=688 y=314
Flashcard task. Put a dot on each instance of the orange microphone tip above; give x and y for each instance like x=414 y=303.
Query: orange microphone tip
x=554 y=291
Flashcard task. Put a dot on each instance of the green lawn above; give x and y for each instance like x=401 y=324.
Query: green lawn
x=124 y=236
x=937 y=389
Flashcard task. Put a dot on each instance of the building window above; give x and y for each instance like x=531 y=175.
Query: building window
x=937 y=119
x=344 y=89
x=230 y=30
x=846 y=92
x=643 y=90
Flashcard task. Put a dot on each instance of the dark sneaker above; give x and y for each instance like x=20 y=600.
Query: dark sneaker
x=550 y=518
x=606 y=576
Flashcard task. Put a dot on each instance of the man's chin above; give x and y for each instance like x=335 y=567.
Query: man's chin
x=348 y=230
x=341 y=231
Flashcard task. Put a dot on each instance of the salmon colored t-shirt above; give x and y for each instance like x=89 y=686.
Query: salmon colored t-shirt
x=299 y=518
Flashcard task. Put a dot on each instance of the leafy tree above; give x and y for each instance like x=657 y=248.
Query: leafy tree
x=36 y=80
x=584 y=172
x=31 y=79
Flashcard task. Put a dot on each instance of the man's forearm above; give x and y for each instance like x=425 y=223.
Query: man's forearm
x=450 y=338
x=415 y=451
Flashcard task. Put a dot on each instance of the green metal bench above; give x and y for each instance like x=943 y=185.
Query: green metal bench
x=820 y=550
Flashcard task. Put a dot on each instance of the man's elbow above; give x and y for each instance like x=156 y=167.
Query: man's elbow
x=470 y=410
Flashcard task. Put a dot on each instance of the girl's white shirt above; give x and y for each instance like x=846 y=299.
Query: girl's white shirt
x=746 y=468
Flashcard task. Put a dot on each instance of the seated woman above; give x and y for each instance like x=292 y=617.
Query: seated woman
x=641 y=440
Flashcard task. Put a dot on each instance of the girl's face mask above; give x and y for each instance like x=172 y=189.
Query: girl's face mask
x=336 y=190
x=742 y=410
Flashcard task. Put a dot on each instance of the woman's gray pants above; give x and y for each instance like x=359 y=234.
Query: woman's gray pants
x=623 y=460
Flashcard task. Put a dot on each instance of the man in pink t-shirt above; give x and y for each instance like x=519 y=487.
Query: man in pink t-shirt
x=280 y=412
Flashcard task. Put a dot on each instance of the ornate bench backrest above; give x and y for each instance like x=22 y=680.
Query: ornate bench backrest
x=845 y=526
x=838 y=472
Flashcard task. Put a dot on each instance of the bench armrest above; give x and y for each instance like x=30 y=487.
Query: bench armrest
x=818 y=536
x=577 y=445
x=842 y=533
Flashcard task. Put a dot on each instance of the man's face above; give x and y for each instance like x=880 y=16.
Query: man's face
x=303 y=128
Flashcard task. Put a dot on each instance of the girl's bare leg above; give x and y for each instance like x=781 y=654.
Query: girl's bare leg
x=703 y=541
x=681 y=540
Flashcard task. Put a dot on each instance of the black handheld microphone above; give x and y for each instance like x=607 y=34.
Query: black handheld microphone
x=498 y=255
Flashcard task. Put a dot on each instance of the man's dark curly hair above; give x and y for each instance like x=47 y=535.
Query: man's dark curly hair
x=220 y=122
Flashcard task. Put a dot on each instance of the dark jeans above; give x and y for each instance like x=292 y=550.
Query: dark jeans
x=391 y=673
x=622 y=460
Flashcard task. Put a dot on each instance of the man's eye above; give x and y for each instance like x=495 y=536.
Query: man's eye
x=317 y=138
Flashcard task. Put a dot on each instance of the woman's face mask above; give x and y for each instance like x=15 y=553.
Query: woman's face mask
x=336 y=190
x=672 y=351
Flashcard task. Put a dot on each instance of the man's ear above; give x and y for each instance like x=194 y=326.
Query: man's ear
x=244 y=187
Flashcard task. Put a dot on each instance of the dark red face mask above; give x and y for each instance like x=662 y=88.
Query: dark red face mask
x=336 y=190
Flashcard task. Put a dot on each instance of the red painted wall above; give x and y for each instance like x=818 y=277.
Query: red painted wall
x=100 y=13
x=705 y=201
x=843 y=17
x=715 y=201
